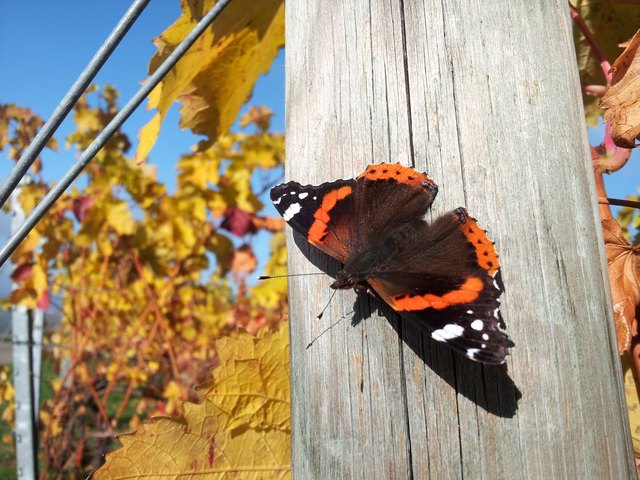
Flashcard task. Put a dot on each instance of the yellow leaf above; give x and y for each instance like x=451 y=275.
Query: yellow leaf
x=119 y=218
x=216 y=76
x=7 y=393
x=30 y=196
x=199 y=169
x=252 y=382
x=172 y=391
x=103 y=242
x=238 y=191
x=223 y=249
x=201 y=444
x=271 y=293
x=633 y=404
x=153 y=366
x=189 y=333
x=39 y=279
x=54 y=428
x=147 y=138
x=25 y=250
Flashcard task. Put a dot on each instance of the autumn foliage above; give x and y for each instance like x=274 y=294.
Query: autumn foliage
x=155 y=285
x=148 y=280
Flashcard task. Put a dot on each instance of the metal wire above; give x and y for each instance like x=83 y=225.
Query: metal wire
x=39 y=210
x=66 y=104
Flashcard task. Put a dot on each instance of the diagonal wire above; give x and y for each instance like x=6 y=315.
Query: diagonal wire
x=69 y=100
x=39 y=210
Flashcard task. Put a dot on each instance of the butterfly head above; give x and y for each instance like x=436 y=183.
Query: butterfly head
x=356 y=271
x=345 y=280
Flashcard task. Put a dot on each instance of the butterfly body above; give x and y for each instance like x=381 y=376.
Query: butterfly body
x=440 y=275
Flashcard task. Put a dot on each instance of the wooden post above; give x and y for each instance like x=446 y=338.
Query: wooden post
x=485 y=97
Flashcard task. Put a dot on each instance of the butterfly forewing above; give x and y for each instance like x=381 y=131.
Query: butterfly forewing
x=321 y=213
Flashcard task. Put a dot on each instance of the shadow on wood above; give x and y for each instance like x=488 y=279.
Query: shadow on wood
x=488 y=386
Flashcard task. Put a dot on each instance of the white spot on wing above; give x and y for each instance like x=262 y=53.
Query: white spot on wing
x=315 y=198
x=303 y=195
x=477 y=324
x=471 y=352
x=448 y=332
x=276 y=202
x=293 y=193
x=495 y=284
x=485 y=336
x=291 y=211
x=484 y=345
x=470 y=312
x=495 y=314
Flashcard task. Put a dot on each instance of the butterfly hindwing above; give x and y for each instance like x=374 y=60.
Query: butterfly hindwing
x=449 y=289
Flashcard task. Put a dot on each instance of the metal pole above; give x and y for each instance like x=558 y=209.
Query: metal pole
x=36 y=357
x=25 y=430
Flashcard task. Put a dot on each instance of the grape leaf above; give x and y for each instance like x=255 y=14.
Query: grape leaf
x=241 y=428
x=249 y=384
x=623 y=260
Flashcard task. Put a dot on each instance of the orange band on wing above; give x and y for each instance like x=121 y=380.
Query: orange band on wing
x=485 y=249
x=467 y=293
x=397 y=172
x=318 y=230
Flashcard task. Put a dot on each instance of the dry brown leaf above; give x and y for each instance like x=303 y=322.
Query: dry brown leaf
x=623 y=260
x=621 y=101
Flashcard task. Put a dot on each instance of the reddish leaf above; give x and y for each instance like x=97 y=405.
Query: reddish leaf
x=22 y=272
x=237 y=221
x=624 y=274
x=81 y=207
x=44 y=301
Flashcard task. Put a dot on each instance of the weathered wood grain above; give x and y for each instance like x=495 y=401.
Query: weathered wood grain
x=484 y=96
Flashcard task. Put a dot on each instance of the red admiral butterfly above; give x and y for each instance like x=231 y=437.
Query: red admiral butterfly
x=439 y=275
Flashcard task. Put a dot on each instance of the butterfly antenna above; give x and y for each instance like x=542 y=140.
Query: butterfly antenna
x=329 y=328
x=269 y=277
x=326 y=306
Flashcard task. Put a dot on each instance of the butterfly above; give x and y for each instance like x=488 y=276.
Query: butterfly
x=439 y=275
